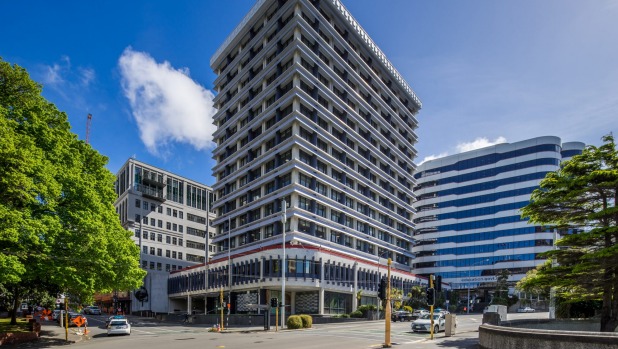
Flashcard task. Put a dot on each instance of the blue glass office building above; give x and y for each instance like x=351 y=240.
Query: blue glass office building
x=468 y=222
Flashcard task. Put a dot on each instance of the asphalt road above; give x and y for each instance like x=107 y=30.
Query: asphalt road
x=150 y=334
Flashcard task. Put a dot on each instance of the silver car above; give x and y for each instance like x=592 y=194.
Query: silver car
x=423 y=324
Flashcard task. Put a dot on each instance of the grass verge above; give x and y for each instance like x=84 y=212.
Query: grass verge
x=22 y=325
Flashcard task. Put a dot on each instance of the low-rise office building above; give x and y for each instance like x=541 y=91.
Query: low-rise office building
x=170 y=217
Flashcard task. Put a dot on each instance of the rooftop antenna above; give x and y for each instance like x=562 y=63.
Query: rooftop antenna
x=88 y=123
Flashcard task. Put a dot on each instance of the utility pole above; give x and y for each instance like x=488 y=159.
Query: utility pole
x=387 y=312
x=283 y=221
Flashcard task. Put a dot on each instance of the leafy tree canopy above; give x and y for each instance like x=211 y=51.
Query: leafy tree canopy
x=580 y=199
x=58 y=225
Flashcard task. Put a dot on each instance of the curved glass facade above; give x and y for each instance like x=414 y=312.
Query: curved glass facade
x=468 y=221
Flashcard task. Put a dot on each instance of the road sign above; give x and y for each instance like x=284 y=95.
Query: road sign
x=79 y=321
x=59 y=300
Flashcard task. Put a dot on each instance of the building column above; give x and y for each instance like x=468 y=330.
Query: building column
x=321 y=301
x=321 y=289
x=355 y=288
x=188 y=304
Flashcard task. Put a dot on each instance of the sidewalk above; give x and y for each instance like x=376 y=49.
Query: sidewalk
x=52 y=335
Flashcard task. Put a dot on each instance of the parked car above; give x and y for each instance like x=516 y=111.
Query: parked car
x=401 y=315
x=56 y=314
x=423 y=324
x=525 y=310
x=113 y=317
x=92 y=310
x=419 y=312
x=119 y=326
x=441 y=311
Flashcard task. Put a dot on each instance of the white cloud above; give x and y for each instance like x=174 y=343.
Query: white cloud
x=167 y=104
x=62 y=77
x=433 y=157
x=53 y=75
x=87 y=75
x=478 y=143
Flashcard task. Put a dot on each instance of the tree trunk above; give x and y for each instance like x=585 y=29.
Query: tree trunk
x=16 y=304
x=609 y=319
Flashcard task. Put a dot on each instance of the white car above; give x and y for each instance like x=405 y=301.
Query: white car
x=92 y=310
x=423 y=324
x=525 y=310
x=419 y=312
x=119 y=326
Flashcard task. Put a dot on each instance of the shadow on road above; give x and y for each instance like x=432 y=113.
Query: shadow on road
x=469 y=343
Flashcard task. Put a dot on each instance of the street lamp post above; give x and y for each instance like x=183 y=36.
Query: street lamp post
x=283 y=221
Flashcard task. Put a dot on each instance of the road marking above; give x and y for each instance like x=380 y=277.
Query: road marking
x=142 y=331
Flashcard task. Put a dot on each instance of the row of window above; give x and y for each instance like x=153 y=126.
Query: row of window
x=159 y=266
x=482 y=272
x=479 y=224
x=466 y=189
x=492 y=172
x=172 y=240
x=483 y=211
x=488 y=159
x=159 y=252
x=486 y=248
x=324 y=233
x=475 y=200
x=491 y=235
x=152 y=182
x=300 y=268
x=159 y=223
x=469 y=262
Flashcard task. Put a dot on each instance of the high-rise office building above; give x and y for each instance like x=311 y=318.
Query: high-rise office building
x=468 y=221
x=311 y=115
x=169 y=216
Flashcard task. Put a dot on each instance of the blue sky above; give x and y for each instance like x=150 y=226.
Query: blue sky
x=486 y=71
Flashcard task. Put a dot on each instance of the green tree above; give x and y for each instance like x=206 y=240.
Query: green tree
x=501 y=295
x=58 y=225
x=582 y=195
x=396 y=298
x=416 y=298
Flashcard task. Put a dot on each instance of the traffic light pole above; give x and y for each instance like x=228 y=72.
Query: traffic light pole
x=387 y=313
x=221 y=304
x=431 y=305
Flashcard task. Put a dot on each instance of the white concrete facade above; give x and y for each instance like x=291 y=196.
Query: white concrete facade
x=310 y=111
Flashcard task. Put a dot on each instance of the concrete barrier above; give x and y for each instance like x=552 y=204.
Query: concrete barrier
x=501 y=337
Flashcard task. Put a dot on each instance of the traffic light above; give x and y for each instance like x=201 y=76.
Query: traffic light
x=431 y=296
x=438 y=283
x=382 y=289
x=274 y=302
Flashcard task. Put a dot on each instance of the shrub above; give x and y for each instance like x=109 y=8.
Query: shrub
x=407 y=308
x=294 y=322
x=307 y=320
x=345 y=316
x=357 y=314
x=365 y=308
